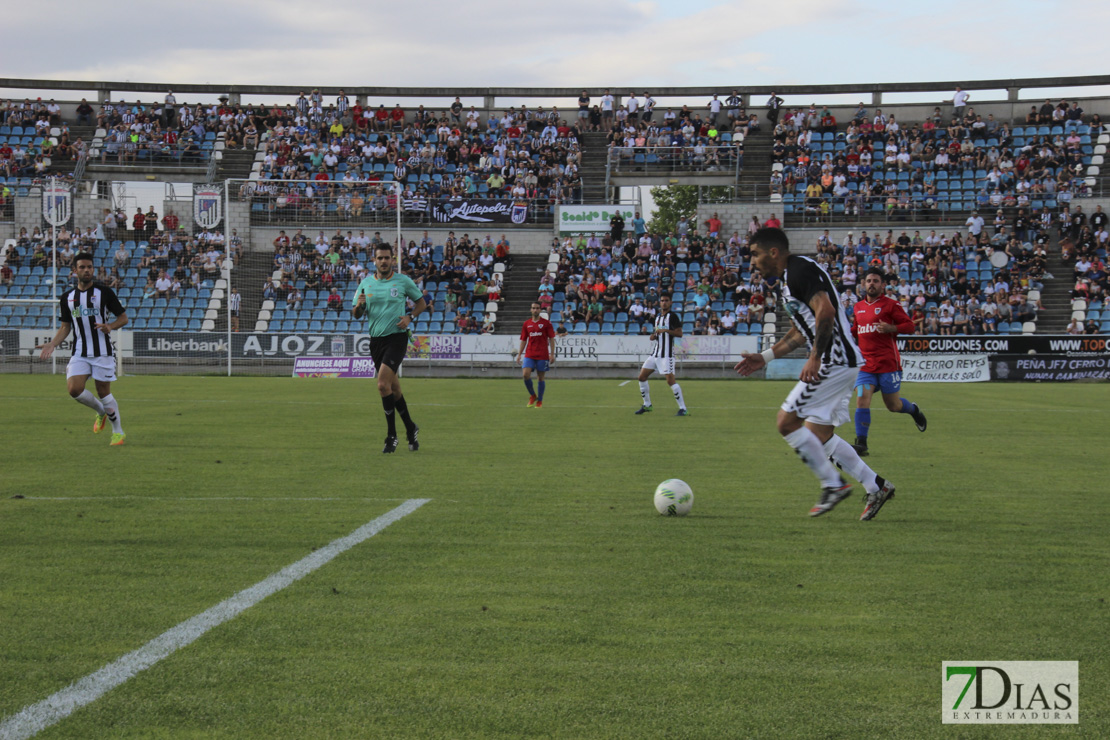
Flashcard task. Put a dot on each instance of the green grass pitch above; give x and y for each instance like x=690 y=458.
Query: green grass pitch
x=539 y=594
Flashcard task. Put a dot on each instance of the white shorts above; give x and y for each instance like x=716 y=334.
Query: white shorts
x=661 y=365
x=826 y=401
x=100 y=368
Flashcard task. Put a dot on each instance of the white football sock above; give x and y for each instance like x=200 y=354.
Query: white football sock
x=677 y=390
x=808 y=447
x=89 y=400
x=849 y=461
x=112 y=409
x=645 y=391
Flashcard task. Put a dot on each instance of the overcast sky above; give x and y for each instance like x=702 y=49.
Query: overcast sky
x=591 y=43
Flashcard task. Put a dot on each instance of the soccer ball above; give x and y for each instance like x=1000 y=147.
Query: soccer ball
x=673 y=498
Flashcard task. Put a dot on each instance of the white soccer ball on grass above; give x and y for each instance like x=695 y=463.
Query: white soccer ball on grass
x=673 y=497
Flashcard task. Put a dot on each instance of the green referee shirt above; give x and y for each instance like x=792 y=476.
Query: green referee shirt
x=385 y=302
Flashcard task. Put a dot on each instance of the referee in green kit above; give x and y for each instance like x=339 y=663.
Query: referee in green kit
x=381 y=297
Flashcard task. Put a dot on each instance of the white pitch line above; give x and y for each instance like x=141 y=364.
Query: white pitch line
x=263 y=499
x=205 y=498
x=622 y=385
x=35 y=718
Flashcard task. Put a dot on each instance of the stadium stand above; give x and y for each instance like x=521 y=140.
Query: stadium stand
x=167 y=281
x=653 y=141
x=525 y=156
x=592 y=286
x=877 y=165
x=312 y=280
x=321 y=165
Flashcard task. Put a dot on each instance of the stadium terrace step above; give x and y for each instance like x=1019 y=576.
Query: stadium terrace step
x=1056 y=296
x=520 y=289
x=594 y=156
x=249 y=277
x=235 y=164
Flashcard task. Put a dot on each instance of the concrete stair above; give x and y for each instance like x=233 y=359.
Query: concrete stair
x=249 y=277
x=521 y=287
x=1056 y=296
x=755 y=180
x=236 y=164
x=592 y=169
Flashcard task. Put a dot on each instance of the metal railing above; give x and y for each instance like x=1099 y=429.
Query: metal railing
x=79 y=168
x=657 y=160
x=350 y=203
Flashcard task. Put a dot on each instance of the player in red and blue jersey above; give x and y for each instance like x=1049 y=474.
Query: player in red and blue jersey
x=537 y=348
x=878 y=320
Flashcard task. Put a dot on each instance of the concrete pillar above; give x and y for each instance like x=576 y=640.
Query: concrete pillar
x=233 y=98
x=103 y=96
x=876 y=98
x=1012 y=94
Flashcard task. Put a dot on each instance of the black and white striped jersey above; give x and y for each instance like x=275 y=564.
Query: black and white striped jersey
x=803 y=279
x=664 y=343
x=84 y=309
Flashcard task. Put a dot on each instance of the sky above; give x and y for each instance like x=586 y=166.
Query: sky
x=621 y=44
x=497 y=43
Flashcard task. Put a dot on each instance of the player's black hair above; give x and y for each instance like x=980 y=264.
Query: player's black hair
x=875 y=271
x=383 y=245
x=770 y=237
x=82 y=256
x=668 y=296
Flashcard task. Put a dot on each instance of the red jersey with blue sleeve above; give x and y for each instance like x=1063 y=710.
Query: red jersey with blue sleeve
x=537 y=332
x=880 y=351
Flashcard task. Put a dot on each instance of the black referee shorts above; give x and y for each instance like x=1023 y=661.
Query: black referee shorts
x=389 y=350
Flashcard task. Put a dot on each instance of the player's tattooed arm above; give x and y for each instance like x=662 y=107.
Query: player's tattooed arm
x=790 y=341
x=824 y=315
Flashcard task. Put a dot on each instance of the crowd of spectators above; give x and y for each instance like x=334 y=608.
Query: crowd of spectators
x=528 y=156
x=156 y=259
x=457 y=277
x=166 y=132
x=948 y=284
x=1084 y=243
x=637 y=132
x=611 y=283
x=950 y=161
x=33 y=136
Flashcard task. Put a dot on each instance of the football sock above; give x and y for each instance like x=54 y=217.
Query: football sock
x=677 y=390
x=863 y=422
x=403 y=409
x=112 y=409
x=543 y=384
x=90 y=400
x=808 y=447
x=528 y=385
x=849 y=461
x=907 y=407
x=390 y=404
x=645 y=392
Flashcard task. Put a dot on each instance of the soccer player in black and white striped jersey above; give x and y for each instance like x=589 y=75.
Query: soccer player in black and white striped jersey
x=818 y=404
x=84 y=310
x=668 y=327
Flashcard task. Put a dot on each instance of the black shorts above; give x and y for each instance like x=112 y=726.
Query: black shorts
x=389 y=350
